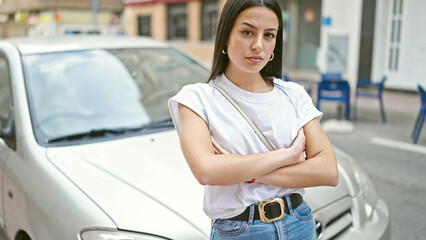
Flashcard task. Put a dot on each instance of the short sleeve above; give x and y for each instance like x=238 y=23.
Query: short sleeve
x=192 y=98
x=306 y=108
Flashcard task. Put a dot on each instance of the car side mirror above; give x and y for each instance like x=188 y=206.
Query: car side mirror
x=8 y=133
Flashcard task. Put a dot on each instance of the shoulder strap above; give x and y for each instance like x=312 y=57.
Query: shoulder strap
x=246 y=117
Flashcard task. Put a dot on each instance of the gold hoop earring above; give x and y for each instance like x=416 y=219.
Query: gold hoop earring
x=223 y=51
x=272 y=57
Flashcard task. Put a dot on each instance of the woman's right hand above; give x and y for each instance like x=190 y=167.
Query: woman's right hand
x=297 y=148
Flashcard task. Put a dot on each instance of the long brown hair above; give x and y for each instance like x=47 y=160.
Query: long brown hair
x=229 y=14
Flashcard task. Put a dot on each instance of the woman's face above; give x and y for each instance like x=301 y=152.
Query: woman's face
x=252 y=40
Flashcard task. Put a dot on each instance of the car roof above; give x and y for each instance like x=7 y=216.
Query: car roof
x=28 y=46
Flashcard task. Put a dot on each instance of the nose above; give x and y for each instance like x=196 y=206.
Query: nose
x=257 y=44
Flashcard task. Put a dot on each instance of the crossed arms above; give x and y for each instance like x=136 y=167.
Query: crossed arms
x=285 y=167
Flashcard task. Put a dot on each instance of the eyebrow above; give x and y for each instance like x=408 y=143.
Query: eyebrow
x=250 y=25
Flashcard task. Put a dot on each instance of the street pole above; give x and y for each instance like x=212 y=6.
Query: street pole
x=95 y=10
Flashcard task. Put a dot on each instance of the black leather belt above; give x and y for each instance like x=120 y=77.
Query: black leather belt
x=270 y=210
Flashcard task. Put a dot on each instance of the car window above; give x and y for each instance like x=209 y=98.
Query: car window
x=5 y=96
x=160 y=74
x=75 y=92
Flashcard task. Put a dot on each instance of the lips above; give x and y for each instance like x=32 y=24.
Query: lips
x=255 y=59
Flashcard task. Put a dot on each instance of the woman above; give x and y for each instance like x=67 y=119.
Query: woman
x=251 y=192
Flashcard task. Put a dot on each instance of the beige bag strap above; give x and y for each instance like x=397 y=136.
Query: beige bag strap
x=246 y=117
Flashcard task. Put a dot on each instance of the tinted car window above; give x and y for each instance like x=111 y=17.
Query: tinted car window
x=77 y=92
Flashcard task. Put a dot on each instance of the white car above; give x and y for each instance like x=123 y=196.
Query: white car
x=88 y=151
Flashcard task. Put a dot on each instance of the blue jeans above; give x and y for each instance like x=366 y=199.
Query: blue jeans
x=299 y=224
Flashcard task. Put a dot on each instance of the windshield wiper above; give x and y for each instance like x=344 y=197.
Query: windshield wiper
x=91 y=134
x=94 y=133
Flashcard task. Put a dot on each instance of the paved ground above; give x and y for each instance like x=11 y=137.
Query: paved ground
x=396 y=166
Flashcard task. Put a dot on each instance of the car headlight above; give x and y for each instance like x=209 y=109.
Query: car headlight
x=366 y=187
x=102 y=234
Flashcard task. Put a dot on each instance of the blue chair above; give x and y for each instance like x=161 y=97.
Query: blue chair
x=366 y=88
x=421 y=117
x=333 y=88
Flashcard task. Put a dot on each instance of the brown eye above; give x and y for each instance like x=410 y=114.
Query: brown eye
x=247 y=32
x=270 y=35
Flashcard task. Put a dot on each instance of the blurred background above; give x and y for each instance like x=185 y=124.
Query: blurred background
x=359 y=39
x=362 y=38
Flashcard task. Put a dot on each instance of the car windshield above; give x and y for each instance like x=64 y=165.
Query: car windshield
x=96 y=93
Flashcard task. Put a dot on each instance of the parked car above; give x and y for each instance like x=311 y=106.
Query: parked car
x=88 y=150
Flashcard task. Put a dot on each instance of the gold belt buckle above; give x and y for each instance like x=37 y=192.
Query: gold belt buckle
x=262 y=216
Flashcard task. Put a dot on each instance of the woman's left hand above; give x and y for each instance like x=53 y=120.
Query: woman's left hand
x=218 y=149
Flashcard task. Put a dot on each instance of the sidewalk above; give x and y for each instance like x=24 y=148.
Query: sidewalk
x=385 y=150
x=401 y=112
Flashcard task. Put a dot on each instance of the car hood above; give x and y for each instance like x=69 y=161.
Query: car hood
x=141 y=182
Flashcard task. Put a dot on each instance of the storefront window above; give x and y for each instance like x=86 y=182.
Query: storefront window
x=144 y=25
x=209 y=17
x=395 y=37
x=177 y=21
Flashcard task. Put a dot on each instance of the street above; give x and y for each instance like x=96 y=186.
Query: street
x=384 y=150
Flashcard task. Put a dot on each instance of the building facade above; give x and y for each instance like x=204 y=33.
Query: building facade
x=58 y=17
x=376 y=38
x=400 y=43
x=190 y=24
x=360 y=38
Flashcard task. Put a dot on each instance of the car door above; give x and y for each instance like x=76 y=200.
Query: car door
x=6 y=143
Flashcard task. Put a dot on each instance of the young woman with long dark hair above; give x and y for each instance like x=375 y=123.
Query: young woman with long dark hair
x=252 y=192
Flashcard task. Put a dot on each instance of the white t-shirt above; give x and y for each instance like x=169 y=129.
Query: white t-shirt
x=279 y=114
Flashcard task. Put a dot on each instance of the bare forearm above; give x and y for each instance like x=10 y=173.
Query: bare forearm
x=212 y=165
x=217 y=169
x=320 y=170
